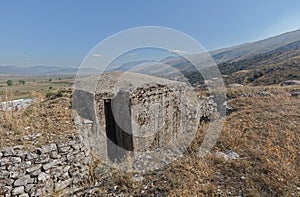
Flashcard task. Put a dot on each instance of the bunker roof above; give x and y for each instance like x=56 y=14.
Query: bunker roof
x=129 y=82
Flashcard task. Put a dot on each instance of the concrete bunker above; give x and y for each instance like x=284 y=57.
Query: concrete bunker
x=134 y=113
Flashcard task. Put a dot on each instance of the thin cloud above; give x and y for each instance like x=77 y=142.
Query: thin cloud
x=26 y=56
x=97 y=55
x=132 y=54
x=178 y=51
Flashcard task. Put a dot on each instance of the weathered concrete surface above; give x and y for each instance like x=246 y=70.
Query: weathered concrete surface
x=146 y=108
x=152 y=111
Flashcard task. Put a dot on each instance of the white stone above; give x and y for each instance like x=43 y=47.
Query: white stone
x=43 y=177
x=24 y=180
x=18 y=190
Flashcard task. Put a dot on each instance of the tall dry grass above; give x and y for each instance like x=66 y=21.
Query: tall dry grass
x=264 y=131
x=49 y=118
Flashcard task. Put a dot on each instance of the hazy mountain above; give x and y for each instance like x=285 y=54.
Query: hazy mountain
x=267 y=61
x=42 y=70
x=273 y=67
x=270 y=45
x=169 y=58
x=249 y=52
x=128 y=65
x=254 y=48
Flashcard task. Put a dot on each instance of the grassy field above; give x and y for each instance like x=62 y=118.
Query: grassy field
x=51 y=116
x=264 y=131
x=51 y=119
x=42 y=85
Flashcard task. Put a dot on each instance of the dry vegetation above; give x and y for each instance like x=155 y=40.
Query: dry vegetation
x=264 y=131
x=42 y=85
x=45 y=121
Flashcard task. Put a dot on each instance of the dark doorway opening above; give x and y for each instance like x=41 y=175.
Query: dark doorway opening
x=119 y=142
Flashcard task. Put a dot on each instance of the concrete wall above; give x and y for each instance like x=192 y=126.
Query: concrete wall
x=156 y=116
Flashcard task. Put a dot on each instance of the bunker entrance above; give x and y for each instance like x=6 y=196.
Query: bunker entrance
x=118 y=140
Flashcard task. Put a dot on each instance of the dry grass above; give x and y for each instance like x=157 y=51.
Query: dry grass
x=264 y=131
x=254 y=91
x=50 y=119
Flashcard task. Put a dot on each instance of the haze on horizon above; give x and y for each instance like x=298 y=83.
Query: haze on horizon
x=61 y=33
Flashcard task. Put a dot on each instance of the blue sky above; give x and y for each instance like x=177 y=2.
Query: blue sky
x=62 y=32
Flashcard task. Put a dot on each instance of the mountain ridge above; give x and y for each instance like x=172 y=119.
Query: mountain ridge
x=246 y=50
x=267 y=61
x=43 y=70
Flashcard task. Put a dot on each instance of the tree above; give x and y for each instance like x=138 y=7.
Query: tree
x=9 y=82
x=50 y=79
x=21 y=82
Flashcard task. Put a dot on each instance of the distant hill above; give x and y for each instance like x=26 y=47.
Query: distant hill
x=128 y=65
x=265 y=62
x=248 y=50
x=268 y=68
x=42 y=70
x=269 y=61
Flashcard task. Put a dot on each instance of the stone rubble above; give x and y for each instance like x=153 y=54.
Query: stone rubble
x=227 y=155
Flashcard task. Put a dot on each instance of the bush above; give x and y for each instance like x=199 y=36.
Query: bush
x=21 y=82
x=49 y=94
x=54 y=95
x=9 y=82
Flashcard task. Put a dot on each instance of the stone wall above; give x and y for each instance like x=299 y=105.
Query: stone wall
x=48 y=169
